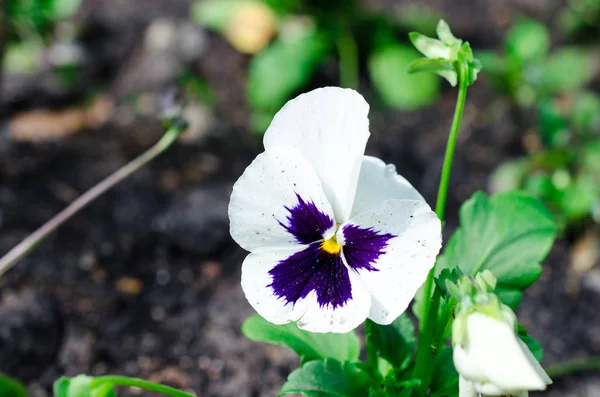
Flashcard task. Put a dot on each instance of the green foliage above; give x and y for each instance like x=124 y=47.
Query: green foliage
x=214 y=14
x=527 y=40
x=566 y=69
x=309 y=346
x=10 y=387
x=328 y=378
x=508 y=234
x=445 y=378
x=282 y=69
x=81 y=386
x=388 y=70
x=528 y=73
x=394 y=343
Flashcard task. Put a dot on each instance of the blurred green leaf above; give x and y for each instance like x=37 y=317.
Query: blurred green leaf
x=579 y=197
x=445 y=34
x=553 y=125
x=527 y=40
x=388 y=70
x=214 y=14
x=10 y=387
x=566 y=69
x=80 y=386
x=586 y=113
x=23 y=57
x=328 y=378
x=429 y=65
x=62 y=9
x=282 y=69
x=590 y=157
x=509 y=175
x=308 y=345
x=395 y=342
x=431 y=48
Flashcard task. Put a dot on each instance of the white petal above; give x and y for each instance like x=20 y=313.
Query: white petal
x=503 y=358
x=261 y=195
x=330 y=127
x=341 y=319
x=378 y=182
x=408 y=257
x=466 y=388
x=255 y=283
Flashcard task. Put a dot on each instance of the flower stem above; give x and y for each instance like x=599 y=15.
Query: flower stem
x=573 y=366
x=348 y=54
x=35 y=238
x=141 y=383
x=427 y=347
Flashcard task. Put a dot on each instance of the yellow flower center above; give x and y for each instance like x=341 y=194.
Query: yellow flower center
x=331 y=246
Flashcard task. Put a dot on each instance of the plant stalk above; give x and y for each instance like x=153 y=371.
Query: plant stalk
x=427 y=348
x=35 y=238
x=573 y=366
x=141 y=383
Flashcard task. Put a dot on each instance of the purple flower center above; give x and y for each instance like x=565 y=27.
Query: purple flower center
x=316 y=269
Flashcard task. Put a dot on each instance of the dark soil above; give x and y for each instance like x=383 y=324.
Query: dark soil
x=145 y=281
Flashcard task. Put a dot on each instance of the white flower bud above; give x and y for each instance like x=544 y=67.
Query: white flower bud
x=490 y=357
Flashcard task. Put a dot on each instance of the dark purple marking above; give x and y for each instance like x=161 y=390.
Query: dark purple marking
x=312 y=269
x=362 y=247
x=306 y=222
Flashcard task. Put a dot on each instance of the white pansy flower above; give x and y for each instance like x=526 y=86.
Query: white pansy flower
x=488 y=354
x=334 y=236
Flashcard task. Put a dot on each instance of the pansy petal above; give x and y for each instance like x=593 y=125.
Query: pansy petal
x=378 y=182
x=329 y=126
x=392 y=248
x=257 y=281
x=340 y=319
x=278 y=202
x=285 y=285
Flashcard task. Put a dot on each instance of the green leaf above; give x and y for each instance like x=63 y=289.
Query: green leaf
x=10 y=387
x=533 y=345
x=586 y=113
x=527 y=40
x=429 y=65
x=444 y=382
x=328 y=378
x=214 y=14
x=388 y=70
x=445 y=34
x=566 y=69
x=579 y=196
x=282 y=69
x=509 y=175
x=309 y=346
x=431 y=48
x=62 y=9
x=79 y=386
x=508 y=234
x=395 y=342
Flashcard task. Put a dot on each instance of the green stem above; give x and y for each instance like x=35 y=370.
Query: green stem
x=427 y=348
x=372 y=357
x=348 y=53
x=35 y=238
x=572 y=366
x=141 y=383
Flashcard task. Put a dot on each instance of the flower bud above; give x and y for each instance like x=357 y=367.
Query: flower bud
x=488 y=354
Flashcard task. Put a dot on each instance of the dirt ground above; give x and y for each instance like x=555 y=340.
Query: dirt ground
x=145 y=281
